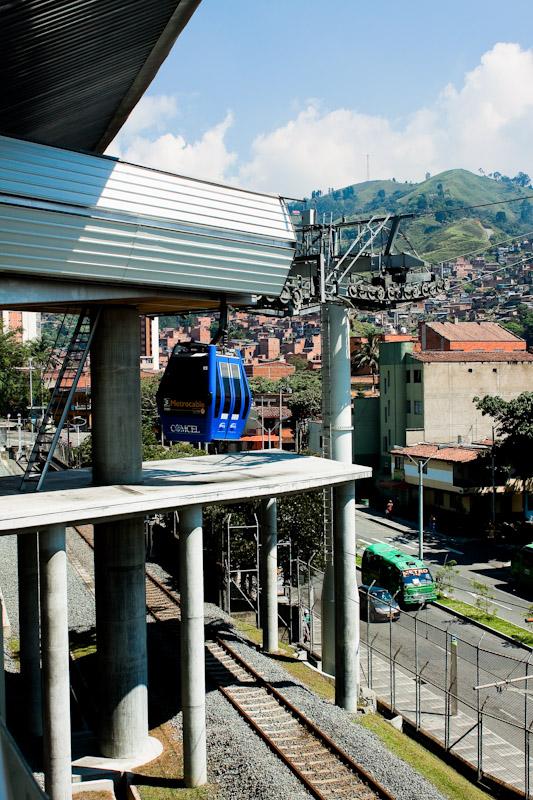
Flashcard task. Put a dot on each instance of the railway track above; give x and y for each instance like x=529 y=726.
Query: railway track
x=325 y=770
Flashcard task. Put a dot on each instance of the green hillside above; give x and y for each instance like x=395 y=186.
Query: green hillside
x=443 y=228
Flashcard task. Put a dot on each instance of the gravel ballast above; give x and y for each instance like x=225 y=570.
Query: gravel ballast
x=363 y=745
x=238 y=760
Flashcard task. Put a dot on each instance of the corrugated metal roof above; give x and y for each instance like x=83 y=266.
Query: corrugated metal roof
x=72 y=70
x=472 y=332
x=454 y=454
x=472 y=355
x=77 y=216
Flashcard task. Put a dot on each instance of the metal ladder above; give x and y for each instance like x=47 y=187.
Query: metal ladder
x=54 y=418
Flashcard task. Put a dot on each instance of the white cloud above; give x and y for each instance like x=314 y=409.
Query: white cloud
x=487 y=122
x=206 y=158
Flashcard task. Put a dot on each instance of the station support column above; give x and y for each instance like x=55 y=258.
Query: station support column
x=192 y=646
x=269 y=574
x=55 y=655
x=119 y=546
x=29 y=632
x=346 y=599
x=340 y=600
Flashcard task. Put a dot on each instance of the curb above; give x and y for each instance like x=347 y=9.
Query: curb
x=482 y=626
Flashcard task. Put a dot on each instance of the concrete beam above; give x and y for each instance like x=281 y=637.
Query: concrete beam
x=29 y=632
x=346 y=600
x=192 y=647
x=55 y=654
x=269 y=574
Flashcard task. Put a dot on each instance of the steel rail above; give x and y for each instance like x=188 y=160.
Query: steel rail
x=367 y=783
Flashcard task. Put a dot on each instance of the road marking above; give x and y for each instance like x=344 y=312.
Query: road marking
x=490 y=600
x=507 y=714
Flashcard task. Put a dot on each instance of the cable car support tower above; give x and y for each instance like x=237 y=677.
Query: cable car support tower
x=339 y=267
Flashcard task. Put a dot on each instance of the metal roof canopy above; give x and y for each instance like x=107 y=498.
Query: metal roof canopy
x=73 y=70
x=69 y=216
x=169 y=485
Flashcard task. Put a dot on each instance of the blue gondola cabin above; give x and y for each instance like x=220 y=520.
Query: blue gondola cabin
x=204 y=395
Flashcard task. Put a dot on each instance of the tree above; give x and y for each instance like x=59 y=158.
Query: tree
x=445 y=577
x=484 y=595
x=368 y=356
x=361 y=328
x=523 y=325
x=522 y=179
x=500 y=218
x=14 y=380
x=514 y=425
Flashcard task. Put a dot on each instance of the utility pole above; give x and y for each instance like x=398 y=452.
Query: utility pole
x=493 y=495
x=421 y=463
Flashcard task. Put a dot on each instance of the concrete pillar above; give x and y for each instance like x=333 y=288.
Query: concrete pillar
x=192 y=647
x=119 y=546
x=2 y=665
x=337 y=402
x=116 y=397
x=121 y=638
x=346 y=600
x=55 y=655
x=29 y=632
x=269 y=574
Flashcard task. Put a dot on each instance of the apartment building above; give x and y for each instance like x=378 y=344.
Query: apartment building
x=427 y=395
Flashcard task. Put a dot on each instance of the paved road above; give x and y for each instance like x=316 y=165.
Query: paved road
x=482 y=561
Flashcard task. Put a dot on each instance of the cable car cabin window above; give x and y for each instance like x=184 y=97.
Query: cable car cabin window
x=225 y=372
x=185 y=386
x=237 y=388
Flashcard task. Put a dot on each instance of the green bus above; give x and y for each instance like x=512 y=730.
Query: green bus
x=522 y=567
x=403 y=575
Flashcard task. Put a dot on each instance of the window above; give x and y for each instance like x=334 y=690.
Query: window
x=417 y=376
x=439 y=497
x=408 y=406
x=470 y=369
x=425 y=468
x=408 y=376
x=494 y=369
x=418 y=406
x=385 y=384
x=386 y=413
x=385 y=444
x=398 y=462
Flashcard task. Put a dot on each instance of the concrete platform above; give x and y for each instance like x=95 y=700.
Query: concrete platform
x=70 y=498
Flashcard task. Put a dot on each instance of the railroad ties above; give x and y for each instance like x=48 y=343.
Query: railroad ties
x=325 y=770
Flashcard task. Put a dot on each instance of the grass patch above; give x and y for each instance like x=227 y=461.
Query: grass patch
x=167 y=771
x=443 y=777
x=500 y=625
x=452 y=785
x=320 y=684
x=82 y=650
x=13 y=645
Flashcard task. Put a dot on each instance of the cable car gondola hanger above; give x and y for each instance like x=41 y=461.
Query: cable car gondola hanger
x=204 y=394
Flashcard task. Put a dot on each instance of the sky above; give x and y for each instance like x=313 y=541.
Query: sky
x=287 y=96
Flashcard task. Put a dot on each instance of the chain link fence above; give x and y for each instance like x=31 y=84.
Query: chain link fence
x=474 y=700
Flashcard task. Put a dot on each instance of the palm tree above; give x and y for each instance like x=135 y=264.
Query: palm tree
x=368 y=356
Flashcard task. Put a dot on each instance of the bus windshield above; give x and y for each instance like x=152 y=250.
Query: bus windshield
x=415 y=577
